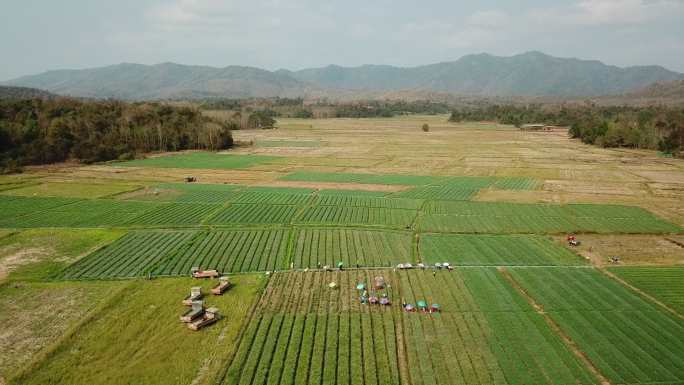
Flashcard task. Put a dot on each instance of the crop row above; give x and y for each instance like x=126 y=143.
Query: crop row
x=490 y=336
x=366 y=216
x=496 y=217
x=162 y=253
x=664 y=283
x=133 y=255
x=297 y=206
x=629 y=339
x=444 y=193
x=314 y=247
x=356 y=201
x=516 y=183
x=306 y=333
x=494 y=250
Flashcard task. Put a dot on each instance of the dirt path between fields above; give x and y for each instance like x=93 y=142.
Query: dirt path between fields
x=642 y=293
x=555 y=327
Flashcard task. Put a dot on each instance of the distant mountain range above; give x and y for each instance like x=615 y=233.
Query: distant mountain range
x=528 y=74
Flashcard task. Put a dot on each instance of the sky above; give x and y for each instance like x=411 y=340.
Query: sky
x=37 y=36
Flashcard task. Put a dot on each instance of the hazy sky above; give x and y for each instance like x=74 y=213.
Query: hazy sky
x=40 y=35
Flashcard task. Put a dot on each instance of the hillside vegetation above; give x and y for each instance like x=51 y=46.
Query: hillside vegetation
x=40 y=131
x=654 y=127
x=531 y=73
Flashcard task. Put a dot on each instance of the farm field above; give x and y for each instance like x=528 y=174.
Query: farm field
x=94 y=260
x=494 y=250
x=327 y=247
x=200 y=160
x=129 y=352
x=337 y=340
x=26 y=331
x=627 y=338
x=666 y=284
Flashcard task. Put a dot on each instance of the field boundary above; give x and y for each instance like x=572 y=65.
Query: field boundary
x=569 y=343
x=641 y=292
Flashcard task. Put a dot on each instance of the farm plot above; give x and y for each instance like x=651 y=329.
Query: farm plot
x=254 y=214
x=229 y=251
x=85 y=213
x=356 y=201
x=628 y=339
x=175 y=214
x=448 y=189
x=485 y=334
x=12 y=207
x=306 y=333
x=445 y=193
x=314 y=247
x=494 y=250
x=201 y=160
x=666 y=284
x=391 y=179
x=498 y=217
x=275 y=195
x=358 y=216
x=516 y=183
x=351 y=193
x=133 y=255
x=120 y=342
x=97 y=189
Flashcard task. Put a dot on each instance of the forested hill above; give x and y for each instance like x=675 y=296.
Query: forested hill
x=40 y=131
x=528 y=74
x=17 y=93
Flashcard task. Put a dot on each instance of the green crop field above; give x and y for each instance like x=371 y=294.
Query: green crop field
x=99 y=189
x=229 y=251
x=666 y=284
x=516 y=183
x=357 y=201
x=254 y=214
x=176 y=214
x=485 y=334
x=201 y=160
x=446 y=193
x=134 y=255
x=305 y=332
x=351 y=193
x=85 y=213
x=119 y=343
x=274 y=196
x=494 y=250
x=627 y=338
x=495 y=217
x=13 y=207
x=364 y=247
x=359 y=216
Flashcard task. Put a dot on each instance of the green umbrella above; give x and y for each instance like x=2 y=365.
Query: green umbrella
x=360 y=286
x=435 y=306
x=422 y=303
x=340 y=264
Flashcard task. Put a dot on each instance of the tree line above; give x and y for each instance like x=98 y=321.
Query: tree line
x=41 y=131
x=298 y=108
x=651 y=127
